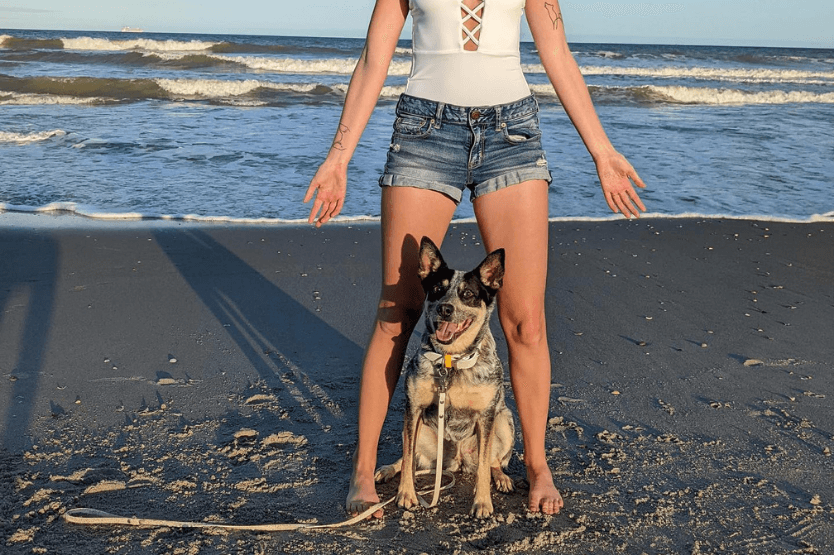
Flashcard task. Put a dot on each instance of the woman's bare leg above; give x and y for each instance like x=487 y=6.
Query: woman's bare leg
x=408 y=214
x=516 y=218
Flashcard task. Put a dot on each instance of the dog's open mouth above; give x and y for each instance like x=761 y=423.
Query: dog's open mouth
x=449 y=331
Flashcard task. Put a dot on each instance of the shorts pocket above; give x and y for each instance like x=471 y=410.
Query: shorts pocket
x=412 y=126
x=522 y=130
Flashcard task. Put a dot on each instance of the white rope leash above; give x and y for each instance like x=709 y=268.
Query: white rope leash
x=441 y=431
x=441 y=419
x=95 y=517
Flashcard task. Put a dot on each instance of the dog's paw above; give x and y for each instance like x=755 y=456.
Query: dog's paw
x=406 y=499
x=503 y=483
x=482 y=508
x=385 y=473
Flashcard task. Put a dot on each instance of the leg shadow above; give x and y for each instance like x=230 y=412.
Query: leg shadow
x=28 y=272
x=293 y=350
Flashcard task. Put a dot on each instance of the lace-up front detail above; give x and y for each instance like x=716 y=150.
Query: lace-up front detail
x=472 y=19
x=466 y=52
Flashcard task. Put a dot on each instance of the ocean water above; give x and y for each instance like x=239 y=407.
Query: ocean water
x=228 y=127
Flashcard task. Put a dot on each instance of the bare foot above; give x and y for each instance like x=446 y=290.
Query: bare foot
x=544 y=496
x=362 y=495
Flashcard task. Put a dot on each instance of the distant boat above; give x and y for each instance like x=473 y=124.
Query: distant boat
x=132 y=30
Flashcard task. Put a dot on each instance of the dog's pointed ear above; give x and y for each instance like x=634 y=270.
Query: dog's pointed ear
x=491 y=270
x=430 y=258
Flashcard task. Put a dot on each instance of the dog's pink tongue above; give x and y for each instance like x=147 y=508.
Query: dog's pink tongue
x=446 y=331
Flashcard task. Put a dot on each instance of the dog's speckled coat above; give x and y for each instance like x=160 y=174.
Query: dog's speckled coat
x=479 y=431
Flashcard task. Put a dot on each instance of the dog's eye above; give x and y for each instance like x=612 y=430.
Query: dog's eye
x=467 y=294
x=437 y=289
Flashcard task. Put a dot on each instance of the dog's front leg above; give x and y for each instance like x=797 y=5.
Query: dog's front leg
x=407 y=494
x=482 y=505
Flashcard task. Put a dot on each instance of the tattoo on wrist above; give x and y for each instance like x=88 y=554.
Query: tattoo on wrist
x=555 y=16
x=340 y=135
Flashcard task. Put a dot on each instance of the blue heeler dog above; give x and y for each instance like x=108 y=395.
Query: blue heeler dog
x=479 y=431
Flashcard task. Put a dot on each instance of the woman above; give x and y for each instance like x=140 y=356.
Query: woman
x=466 y=120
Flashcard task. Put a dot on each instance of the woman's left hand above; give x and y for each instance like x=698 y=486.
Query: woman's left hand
x=616 y=176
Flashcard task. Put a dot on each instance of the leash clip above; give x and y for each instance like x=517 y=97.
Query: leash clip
x=443 y=371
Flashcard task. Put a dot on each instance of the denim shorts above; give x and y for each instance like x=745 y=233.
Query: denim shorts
x=448 y=148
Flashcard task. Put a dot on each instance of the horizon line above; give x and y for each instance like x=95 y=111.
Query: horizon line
x=580 y=39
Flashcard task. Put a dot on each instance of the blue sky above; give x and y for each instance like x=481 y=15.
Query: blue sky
x=719 y=22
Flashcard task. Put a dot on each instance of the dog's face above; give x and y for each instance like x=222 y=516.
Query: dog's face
x=458 y=304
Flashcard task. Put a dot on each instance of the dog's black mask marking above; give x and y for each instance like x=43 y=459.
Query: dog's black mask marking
x=477 y=286
x=473 y=292
x=435 y=275
x=437 y=283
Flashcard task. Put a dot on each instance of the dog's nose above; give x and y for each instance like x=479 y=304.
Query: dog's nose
x=445 y=310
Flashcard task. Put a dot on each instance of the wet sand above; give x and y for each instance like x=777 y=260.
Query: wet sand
x=210 y=373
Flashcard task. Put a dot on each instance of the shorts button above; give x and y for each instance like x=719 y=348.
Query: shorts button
x=476 y=114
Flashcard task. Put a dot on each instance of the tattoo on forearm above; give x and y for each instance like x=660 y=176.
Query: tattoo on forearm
x=340 y=135
x=555 y=16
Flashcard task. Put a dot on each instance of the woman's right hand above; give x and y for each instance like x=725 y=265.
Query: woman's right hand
x=329 y=187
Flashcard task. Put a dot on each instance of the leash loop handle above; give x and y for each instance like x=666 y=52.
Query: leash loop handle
x=95 y=517
x=92 y=517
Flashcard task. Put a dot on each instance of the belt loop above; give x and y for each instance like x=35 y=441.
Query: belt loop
x=498 y=118
x=438 y=115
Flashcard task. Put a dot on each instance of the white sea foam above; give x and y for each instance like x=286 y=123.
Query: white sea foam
x=391 y=91
x=230 y=92
x=402 y=68
x=388 y=91
x=706 y=74
x=27 y=138
x=758 y=75
x=14 y=99
x=96 y=214
x=213 y=88
x=297 y=65
x=697 y=95
x=542 y=89
x=98 y=44
x=208 y=88
x=652 y=94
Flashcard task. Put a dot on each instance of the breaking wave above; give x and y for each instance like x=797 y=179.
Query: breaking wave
x=256 y=92
x=28 y=138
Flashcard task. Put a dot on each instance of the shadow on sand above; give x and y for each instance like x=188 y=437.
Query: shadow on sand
x=295 y=353
x=28 y=273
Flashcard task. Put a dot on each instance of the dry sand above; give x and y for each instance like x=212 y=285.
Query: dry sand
x=210 y=373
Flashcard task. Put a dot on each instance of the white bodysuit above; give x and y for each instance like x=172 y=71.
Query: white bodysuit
x=444 y=71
